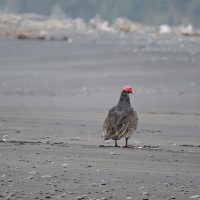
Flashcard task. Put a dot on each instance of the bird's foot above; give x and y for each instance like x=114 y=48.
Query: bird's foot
x=116 y=145
x=126 y=144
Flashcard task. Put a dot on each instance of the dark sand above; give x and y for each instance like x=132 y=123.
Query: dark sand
x=54 y=96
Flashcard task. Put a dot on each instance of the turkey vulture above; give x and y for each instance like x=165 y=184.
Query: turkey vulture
x=121 y=120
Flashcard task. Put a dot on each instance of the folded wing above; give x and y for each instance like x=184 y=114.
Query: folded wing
x=120 y=123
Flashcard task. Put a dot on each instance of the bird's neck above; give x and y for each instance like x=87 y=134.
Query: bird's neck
x=124 y=98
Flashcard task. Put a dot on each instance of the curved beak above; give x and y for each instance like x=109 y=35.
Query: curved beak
x=132 y=91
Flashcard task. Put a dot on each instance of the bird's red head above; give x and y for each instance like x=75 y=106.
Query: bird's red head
x=128 y=89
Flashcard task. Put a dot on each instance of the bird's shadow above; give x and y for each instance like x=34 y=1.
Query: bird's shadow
x=120 y=147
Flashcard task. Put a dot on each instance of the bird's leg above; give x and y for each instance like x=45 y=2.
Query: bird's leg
x=116 y=145
x=126 y=145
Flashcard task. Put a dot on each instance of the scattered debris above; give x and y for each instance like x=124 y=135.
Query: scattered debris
x=81 y=197
x=126 y=25
x=23 y=36
x=75 y=139
x=46 y=176
x=56 y=28
x=195 y=196
x=165 y=29
x=64 y=165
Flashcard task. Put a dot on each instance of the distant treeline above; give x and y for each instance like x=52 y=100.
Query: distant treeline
x=153 y=12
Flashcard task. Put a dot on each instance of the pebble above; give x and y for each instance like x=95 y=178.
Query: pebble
x=32 y=172
x=140 y=188
x=46 y=176
x=63 y=194
x=81 y=197
x=71 y=192
x=145 y=193
x=195 y=196
x=94 y=184
x=30 y=177
x=64 y=165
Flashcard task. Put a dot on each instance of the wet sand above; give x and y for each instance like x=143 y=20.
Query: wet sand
x=53 y=100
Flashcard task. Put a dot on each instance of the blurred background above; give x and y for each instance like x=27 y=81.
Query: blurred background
x=79 y=53
x=151 y=12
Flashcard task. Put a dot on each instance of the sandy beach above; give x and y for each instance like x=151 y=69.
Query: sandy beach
x=54 y=96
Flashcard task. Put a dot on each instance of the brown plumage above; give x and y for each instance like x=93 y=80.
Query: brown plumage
x=121 y=120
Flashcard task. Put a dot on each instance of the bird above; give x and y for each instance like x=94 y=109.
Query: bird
x=121 y=120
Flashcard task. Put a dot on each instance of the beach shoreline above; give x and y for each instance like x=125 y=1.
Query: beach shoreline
x=55 y=95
